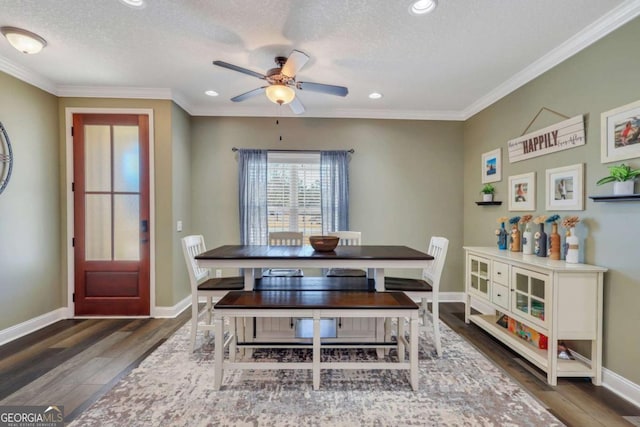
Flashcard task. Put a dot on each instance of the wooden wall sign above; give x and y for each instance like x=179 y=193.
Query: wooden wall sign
x=560 y=136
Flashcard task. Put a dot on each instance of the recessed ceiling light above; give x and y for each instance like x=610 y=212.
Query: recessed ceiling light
x=23 y=40
x=211 y=93
x=136 y=4
x=421 y=7
x=375 y=95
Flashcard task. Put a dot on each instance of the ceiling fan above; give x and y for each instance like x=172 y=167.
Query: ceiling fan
x=282 y=80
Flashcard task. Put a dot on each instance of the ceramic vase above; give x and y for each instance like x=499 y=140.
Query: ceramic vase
x=502 y=237
x=515 y=238
x=487 y=197
x=540 y=247
x=527 y=241
x=573 y=246
x=554 y=242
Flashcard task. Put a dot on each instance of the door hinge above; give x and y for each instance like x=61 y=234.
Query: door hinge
x=73 y=242
x=71 y=130
x=73 y=297
x=73 y=186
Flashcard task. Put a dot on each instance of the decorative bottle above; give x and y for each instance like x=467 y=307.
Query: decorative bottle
x=540 y=248
x=573 y=246
x=502 y=237
x=554 y=240
x=515 y=238
x=527 y=241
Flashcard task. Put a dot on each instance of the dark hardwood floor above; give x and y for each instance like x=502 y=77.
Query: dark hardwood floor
x=74 y=362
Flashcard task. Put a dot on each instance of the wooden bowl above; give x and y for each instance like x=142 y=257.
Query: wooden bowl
x=324 y=243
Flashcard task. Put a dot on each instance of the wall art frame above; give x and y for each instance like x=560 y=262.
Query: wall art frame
x=620 y=133
x=565 y=188
x=492 y=166
x=522 y=192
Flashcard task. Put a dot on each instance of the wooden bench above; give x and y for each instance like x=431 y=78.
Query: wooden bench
x=316 y=305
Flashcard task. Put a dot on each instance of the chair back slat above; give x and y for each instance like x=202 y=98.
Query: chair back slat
x=191 y=247
x=438 y=247
x=285 y=238
x=348 y=238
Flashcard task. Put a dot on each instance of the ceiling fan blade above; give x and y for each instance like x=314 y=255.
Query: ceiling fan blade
x=322 y=88
x=296 y=106
x=294 y=63
x=239 y=69
x=249 y=94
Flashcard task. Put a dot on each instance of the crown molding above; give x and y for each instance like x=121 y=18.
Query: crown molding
x=114 y=92
x=27 y=76
x=589 y=35
x=331 y=113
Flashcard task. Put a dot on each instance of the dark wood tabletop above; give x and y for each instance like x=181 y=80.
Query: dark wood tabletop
x=315 y=300
x=364 y=252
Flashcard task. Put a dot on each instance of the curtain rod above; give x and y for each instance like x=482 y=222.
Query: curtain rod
x=234 y=149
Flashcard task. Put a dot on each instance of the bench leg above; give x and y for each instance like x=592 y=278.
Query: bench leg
x=400 y=342
x=219 y=352
x=413 y=353
x=381 y=327
x=316 y=352
x=233 y=349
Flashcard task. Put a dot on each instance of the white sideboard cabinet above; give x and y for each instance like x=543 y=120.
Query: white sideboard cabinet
x=562 y=301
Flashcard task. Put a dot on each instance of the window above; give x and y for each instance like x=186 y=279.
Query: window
x=293 y=193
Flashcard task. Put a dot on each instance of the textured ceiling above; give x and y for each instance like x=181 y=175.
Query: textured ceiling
x=448 y=64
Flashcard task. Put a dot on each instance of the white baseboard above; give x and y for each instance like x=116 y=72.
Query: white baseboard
x=621 y=386
x=21 y=329
x=171 y=312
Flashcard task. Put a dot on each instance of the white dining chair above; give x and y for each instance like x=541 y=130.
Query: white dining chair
x=347 y=238
x=203 y=285
x=284 y=238
x=429 y=286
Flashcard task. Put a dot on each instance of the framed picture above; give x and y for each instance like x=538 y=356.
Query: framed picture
x=492 y=166
x=620 y=130
x=522 y=192
x=565 y=189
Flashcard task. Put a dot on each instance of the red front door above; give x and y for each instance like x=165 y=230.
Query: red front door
x=111 y=214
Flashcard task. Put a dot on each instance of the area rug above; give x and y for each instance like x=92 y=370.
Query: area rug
x=173 y=387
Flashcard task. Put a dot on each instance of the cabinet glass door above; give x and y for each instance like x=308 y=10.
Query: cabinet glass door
x=529 y=295
x=479 y=275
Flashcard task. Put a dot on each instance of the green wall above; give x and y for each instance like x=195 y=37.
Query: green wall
x=599 y=78
x=405 y=185
x=30 y=238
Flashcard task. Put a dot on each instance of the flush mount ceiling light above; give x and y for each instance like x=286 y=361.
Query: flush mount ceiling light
x=23 y=40
x=136 y=4
x=280 y=94
x=211 y=93
x=375 y=95
x=422 y=7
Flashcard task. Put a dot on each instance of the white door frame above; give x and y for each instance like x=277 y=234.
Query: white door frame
x=68 y=194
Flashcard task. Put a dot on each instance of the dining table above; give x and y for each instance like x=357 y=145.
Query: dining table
x=372 y=258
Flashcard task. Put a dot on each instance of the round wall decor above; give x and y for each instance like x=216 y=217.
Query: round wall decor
x=6 y=158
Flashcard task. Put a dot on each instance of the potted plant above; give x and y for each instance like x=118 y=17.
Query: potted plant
x=487 y=192
x=623 y=178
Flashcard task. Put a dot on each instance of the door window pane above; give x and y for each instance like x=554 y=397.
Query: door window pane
x=97 y=158
x=126 y=159
x=126 y=230
x=97 y=227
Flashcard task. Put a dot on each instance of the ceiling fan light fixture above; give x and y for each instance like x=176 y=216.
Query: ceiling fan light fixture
x=422 y=7
x=23 y=40
x=280 y=94
x=135 y=4
x=211 y=93
x=375 y=95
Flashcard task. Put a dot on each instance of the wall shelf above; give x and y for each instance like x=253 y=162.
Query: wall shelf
x=495 y=203
x=612 y=198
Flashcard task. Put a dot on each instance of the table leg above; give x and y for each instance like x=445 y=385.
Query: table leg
x=413 y=352
x=219 y=351
x=380 y=335
x=379 y=278
x=249 y=279
x=400 y=342
x=316 y=351
x=234 y=337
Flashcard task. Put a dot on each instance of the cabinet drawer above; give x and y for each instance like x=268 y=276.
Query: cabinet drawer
x=500 y=272
x=500 y=295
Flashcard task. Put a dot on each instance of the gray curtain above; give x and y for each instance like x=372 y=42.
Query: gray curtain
x=334 y=187
x=252 y=178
